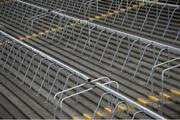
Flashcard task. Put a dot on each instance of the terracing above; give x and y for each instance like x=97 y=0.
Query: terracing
x=143 y=65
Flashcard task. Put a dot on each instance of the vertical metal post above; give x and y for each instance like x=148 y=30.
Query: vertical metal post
x=88 y=39
x=38 y=67
x=106 y=46
x=167 y=26
x=49 y=66
x=28 y=68
x=12 y=46
x=127 y=57
x=157 y=59
x=117 y=49
x=19 y=49
x=139 y=63
x=56 y=77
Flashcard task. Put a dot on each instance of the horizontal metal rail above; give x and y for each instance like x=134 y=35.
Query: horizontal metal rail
x=32 y=5
x=159 y=3
x=99 y=85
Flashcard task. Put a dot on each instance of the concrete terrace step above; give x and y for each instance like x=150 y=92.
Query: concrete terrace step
x=89 y=66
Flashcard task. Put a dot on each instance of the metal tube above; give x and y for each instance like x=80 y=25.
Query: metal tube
x=95 y=80
x=122 y=102
x=99 y=103
x=163 y=72
x=138 y=106
x=166 y=62
x=141 y=39
x=101 y=86
x=160 y=45
x=159 y=3
x=152 y=69
x=133 y=118
x=32 y=5
x=47 y=57
x=125 y=99
x=141 y=58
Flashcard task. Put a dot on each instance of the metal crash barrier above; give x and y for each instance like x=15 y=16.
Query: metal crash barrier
x=141 y=61
x=137 y=16
x=37 y=69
